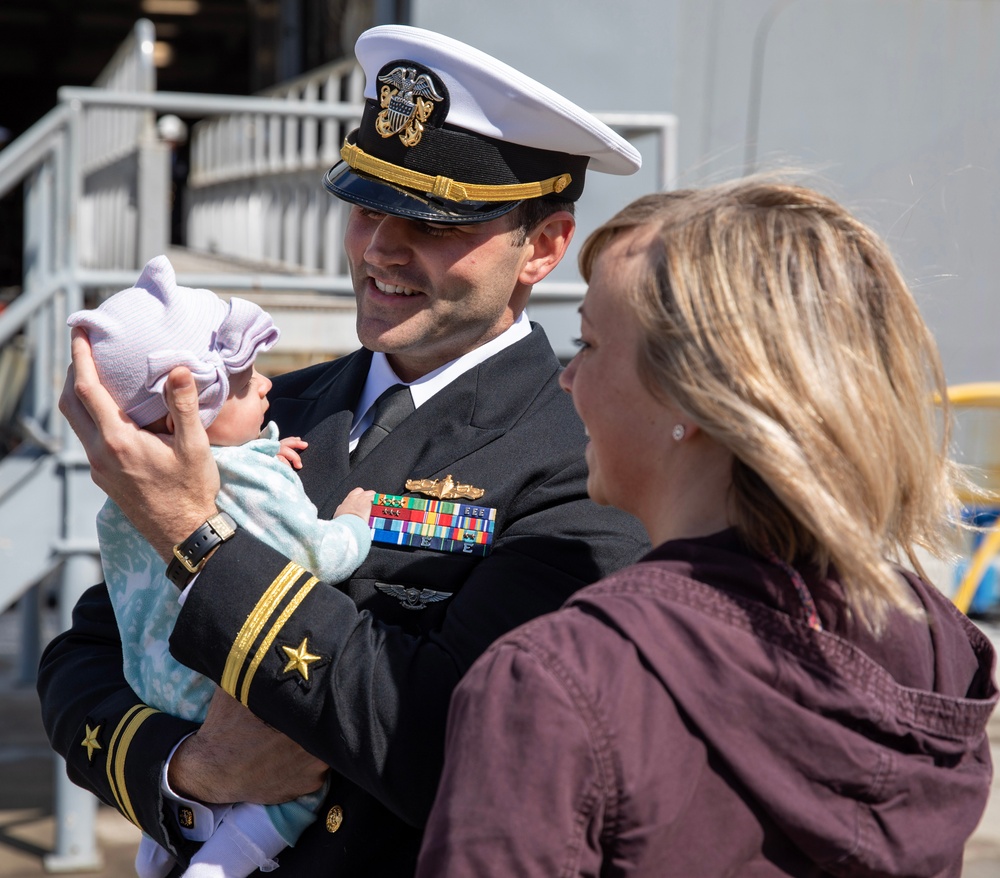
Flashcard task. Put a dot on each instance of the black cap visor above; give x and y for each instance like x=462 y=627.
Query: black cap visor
x=375 y=194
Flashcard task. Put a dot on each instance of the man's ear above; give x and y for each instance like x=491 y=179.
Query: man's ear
x=548 y=242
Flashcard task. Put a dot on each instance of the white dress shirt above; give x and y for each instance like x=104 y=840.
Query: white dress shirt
x=381 y=376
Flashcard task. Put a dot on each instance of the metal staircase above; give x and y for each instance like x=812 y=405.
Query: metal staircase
x=97 y=188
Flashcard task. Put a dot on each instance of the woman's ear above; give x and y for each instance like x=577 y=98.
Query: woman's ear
x=547 y=242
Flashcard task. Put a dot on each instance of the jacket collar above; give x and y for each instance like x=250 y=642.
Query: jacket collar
x=476 y=408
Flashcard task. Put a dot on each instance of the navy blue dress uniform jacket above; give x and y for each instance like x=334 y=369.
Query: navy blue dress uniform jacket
x=370 y=696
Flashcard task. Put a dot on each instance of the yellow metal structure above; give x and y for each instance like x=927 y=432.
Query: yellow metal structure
x=976 y=408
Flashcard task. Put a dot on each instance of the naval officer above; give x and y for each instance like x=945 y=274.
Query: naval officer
x=461 y=177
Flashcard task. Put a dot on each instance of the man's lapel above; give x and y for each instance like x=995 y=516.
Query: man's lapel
x=321 y=411
x=437 y=434
x=476 y=408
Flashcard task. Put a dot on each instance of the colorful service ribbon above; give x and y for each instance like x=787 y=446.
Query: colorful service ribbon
x=438 y=525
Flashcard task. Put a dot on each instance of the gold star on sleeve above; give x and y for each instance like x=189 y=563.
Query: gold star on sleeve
x=90 y=742
x=299 y=659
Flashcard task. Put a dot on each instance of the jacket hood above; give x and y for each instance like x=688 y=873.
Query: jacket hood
x=864 y=775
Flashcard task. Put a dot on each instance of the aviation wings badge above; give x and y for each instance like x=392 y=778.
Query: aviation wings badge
x=412 y=598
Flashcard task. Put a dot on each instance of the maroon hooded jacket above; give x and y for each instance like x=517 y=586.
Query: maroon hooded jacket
x=680 y=718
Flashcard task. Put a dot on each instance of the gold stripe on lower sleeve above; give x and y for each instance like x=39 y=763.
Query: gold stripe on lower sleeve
x=110 y=761
x=275 y=629
x=255 y=622
x=121 y=740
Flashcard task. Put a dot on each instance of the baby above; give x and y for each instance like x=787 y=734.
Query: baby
x=138 y=336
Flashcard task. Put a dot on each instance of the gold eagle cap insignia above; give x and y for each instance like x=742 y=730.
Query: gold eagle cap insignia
x=407 y=100
x=444 y=489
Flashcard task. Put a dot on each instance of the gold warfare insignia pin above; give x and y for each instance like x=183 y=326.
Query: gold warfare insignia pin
x=444 y=489
x=90 y=741
x=407 y=100
x=299 y=659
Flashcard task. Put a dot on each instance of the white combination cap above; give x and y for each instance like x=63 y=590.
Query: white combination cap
x=141 y=334
x=451 y=134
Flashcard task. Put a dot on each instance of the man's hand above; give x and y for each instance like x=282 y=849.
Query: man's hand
x=166 y=485
x=236 y=757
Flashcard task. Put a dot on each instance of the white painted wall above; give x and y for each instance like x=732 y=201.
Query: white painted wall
x=895 y=103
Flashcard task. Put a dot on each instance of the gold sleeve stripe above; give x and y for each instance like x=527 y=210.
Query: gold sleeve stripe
x=254 y=624
x=293 y=605
x=112 y=744
x=121 y=740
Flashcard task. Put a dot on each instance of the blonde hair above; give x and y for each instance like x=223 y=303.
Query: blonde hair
x=782 y=326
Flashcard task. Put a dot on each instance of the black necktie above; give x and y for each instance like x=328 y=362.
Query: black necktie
x=389 y=411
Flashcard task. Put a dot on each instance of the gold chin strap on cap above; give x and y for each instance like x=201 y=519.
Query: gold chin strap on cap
x=445 y=187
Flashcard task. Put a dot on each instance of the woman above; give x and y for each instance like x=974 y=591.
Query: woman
x=765 y=693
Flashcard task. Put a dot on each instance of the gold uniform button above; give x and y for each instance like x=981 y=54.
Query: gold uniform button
x=185 y=816
x=334 y=817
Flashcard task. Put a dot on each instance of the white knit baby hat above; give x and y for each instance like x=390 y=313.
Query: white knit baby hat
x=140 y=334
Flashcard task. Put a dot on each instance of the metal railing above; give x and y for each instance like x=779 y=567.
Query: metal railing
x=80 y=174
x=285 y=217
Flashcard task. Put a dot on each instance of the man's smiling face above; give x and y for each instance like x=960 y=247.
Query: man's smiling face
x=428 y=293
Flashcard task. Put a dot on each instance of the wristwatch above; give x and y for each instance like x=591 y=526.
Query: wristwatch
x=190 y=556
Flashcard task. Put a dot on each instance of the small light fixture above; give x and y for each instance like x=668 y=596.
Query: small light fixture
x=163 y=54
x=171 y=7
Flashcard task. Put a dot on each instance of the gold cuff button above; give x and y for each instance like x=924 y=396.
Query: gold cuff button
x=185 y=816
x=334 y=817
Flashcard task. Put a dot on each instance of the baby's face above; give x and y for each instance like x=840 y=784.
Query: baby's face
x=242 y=415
